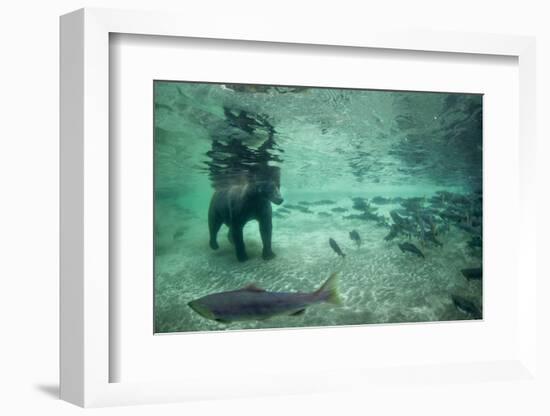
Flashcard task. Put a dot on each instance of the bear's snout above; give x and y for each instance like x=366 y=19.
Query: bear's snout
x=276 y=197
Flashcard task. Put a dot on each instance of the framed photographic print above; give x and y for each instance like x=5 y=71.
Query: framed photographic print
x=227 y=198
x=371 y=200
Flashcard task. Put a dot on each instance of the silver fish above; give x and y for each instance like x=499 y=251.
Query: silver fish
x=254 y=303
x=473 y=273
x=354 y=235
x=411 y=248
x=467 y=306
x=336 y=247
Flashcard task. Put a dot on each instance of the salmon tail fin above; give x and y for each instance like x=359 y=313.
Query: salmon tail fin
x=329 y=290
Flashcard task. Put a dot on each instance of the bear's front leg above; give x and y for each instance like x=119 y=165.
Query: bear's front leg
x=265 y=232
x=238 y=240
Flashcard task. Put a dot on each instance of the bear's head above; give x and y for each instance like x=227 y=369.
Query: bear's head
x=268 y=186
x=271 y=191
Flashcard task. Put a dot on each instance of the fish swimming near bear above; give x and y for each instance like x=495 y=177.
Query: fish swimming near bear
x=430 y=236
x=394 y=231
x=253 y=303
x=354 y=235
x=411 y=248
x=336 y=247
x=466 y=306
x=339 y=209
x=472 y=274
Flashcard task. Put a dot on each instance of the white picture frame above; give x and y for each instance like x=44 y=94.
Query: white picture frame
x=85 y=355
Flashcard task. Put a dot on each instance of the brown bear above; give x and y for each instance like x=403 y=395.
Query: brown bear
x=235 y=205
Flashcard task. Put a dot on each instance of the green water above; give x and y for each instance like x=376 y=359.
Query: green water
x=416 y=154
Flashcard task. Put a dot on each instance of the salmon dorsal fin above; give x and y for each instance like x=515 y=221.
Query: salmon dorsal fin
x=253 y=288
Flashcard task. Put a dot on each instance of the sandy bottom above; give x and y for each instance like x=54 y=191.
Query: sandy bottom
x=377 y=282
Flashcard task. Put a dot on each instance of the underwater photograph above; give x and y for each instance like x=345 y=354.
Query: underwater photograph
x=293 y=206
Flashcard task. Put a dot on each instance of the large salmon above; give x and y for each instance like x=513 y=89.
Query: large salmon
x=254 y=303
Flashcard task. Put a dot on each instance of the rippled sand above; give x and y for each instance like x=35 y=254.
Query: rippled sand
x=378 y=283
